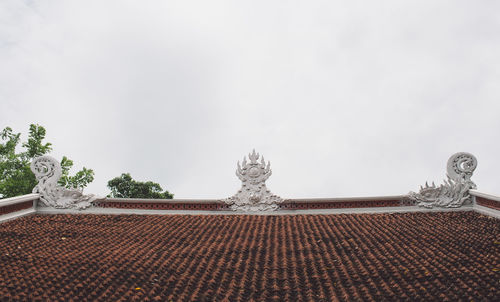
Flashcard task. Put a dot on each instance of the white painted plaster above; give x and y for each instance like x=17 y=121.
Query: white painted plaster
x=487 y=211
x=18 y=199
x=48 y=171
x=47 y=210
x=484 y=195
x=17 y=214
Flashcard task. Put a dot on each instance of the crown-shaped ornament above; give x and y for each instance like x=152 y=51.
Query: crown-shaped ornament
x=253 y=195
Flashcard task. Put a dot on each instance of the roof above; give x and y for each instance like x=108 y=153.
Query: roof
x=445 y=256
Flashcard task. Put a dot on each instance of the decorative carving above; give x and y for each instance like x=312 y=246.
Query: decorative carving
x=48 y=171
x=253 y=195
x=455 y=191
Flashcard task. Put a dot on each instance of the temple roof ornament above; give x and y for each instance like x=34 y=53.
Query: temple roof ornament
x=455 y=191
x=48 y=171
x=253 y=195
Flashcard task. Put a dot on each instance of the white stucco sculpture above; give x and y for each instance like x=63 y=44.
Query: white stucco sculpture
x=48 y=171
x=455 y=191
x=253 y=195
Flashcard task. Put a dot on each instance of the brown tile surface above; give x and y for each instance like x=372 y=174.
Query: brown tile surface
x=448 y=256
x=16 y=207
x=340 y=204
x=490 y=203
x=163 y=206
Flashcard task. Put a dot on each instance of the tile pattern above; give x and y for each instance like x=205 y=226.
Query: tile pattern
x=340 y=204
x=214 y=206
x=16 y=207
x=490 y=203
x=151 y=205
x=434 y=256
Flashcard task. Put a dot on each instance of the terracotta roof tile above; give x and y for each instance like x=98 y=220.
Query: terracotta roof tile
x=444 y=256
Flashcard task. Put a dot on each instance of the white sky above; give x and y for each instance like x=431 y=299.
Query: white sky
x=345 y=98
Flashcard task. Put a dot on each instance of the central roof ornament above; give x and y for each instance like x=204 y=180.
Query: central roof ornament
x=253 y=195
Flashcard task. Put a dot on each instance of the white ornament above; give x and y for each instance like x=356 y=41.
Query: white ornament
x=253 y=195
x=48 y=171
x=455 y=191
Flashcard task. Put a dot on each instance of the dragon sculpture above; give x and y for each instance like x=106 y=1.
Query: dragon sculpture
x=253 y=195
x=455 y=191
x=48 y=171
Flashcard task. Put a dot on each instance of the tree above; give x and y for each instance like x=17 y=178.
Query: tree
x=126 y=187
x=16 y=177
x=80 y=180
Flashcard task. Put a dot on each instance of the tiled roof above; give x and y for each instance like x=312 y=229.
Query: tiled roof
x=443 y=256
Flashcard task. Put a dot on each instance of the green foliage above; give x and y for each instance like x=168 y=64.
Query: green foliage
x=16 y=177
x=34 y=146
x=126 y=187
x=80 y=180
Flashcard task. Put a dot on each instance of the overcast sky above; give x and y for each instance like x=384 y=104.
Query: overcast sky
x=345 y=98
